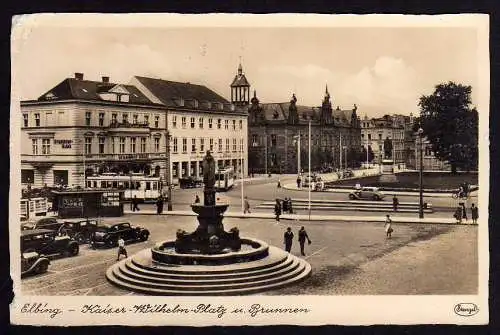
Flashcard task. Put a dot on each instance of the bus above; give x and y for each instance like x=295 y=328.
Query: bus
x=224 y=179
x=138 y=185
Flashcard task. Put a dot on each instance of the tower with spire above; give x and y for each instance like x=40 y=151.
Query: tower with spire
x=240 y=89
x=326 y=109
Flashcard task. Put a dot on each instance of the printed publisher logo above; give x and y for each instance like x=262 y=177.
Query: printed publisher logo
x=466 y=309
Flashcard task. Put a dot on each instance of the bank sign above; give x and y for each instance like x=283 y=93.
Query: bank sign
x=65 y=144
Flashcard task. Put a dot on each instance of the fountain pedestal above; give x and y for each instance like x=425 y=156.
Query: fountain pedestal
x=388 y=175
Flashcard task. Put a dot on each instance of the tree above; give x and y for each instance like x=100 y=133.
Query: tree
x=450 y=124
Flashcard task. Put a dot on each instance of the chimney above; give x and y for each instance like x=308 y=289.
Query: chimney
x=78 y=76
x=105 y=79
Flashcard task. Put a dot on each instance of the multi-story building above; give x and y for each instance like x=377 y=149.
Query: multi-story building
x=376 y=130
x=199 y=119
x=276 y=129
x=81 y=127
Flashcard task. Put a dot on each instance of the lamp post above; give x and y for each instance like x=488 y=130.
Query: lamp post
x=345 y=155
x=310 y=176
x=242 y=176
x=421 y=194
x=297 y=140
x=367 y=163
x=168 y=178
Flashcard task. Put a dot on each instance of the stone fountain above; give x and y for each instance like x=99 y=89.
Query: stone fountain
x=208 y=261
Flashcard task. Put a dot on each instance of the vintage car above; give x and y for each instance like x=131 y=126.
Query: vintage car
x=48 y=242
x=33 y=263
x=81 y=230
x=366 y=193
x=190 y=182
x=108 y=234
x=43 y=223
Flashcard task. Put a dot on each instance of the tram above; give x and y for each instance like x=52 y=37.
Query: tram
x=137 y=185
x=224 y=179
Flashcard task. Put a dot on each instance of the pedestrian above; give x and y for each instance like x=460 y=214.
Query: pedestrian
x=395 y=203
x=277 y=210
x=298 y=181
x=246 y=206
x=474 y=214
x=288 y=239
x=121 y=248
x=388 y=226
x=302 y=240
x=285 y=205
x=458 y=214
x=290 y=209
x=135 y=203
x=279 y=184
x=159 y=205
x=464 y=212
x=196 y=199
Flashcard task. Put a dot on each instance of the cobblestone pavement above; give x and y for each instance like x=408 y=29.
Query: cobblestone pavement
x=339 y=250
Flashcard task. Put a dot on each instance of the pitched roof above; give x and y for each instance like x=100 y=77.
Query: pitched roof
x=169 y=91
x=72 y=88
x=240 y=80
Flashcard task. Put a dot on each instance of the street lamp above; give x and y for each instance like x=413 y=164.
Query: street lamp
x=367 y=163
x=297 y=141
x=421 y=194
x=345 y=155
x=168 y=178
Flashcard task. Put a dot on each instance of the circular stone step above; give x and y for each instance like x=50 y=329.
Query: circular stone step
x=139 y=274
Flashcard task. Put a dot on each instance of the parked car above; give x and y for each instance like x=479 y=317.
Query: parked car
x=80 y=230
x=319 y=184
x=107 y=235
x=48 y=242
x=33 y=263
x=366 y=193
x=190 y=182
x=43 y=223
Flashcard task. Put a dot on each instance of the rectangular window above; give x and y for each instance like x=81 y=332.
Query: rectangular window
x=133 y=142
x=112 y=145
x=210 y=121
x=60 y=118
x=241 y=124
x=193 y=145
x=226 y=124
x=27 y=176
x=234 y=144
x=369 y=136
x=200 y=123
x=184 y=145
x=25 y=120
x=146 y=119
x=157 y=121
x=241 y=145
x=34 y=143
x=135 y=118
x=211 y=145
x=175 y=145
x=125 y=118
x=143 y=144
x=219 y=123
x=114 y=118
x=37 y=119
x=101 y=119
x=174 y=121
x=234 y=124
x=192 y=122
x=220 y=144
x=183 y=122
x=101 y=145
x=157 y=144
x=88 y=145
x=202 y=144
x=49 y=120
x=227 y=144
x=88 y=118
x=273 y=140
x=255 y=140
x=122 y=145
x=379 y=136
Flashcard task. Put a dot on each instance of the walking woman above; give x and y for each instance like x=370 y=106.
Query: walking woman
x=474 y=214
x=277 y=210
x=388 y=226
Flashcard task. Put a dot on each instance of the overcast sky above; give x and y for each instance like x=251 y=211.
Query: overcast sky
x=382 y=70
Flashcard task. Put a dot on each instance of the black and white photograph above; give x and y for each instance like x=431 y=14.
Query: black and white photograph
x=249 y=169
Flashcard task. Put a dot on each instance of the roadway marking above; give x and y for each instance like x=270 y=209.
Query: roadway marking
x=315 y=253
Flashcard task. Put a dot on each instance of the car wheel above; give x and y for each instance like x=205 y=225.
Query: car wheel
x=110 y=243
x=376 y=198
x=74 y=249
x=144 y=236
x=352 y=197
x=79 y=238
x=42 y=267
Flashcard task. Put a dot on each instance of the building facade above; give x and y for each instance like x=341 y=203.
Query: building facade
x=83 y=127
x=375 y=131
x=277 y=129
x=199 y=119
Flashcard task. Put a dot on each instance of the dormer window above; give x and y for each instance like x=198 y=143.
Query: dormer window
x=275 y=115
